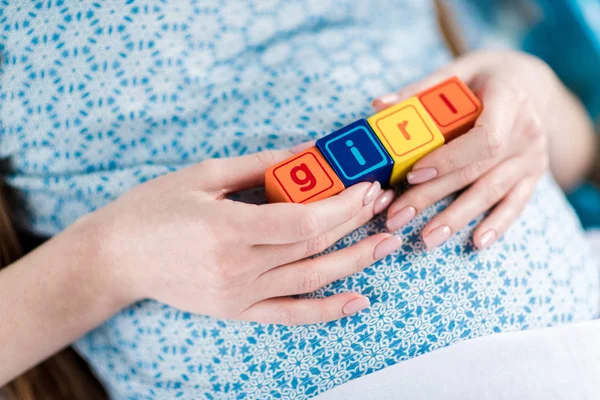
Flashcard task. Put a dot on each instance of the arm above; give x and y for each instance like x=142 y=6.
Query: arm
x=179 y=240
x=572 y=140
x=52 y=296
x=595 y=172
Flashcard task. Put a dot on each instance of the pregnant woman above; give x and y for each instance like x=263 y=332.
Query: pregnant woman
x=125 y=129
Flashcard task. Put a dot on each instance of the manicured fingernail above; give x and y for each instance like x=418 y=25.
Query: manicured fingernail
x=372 y=193
x=354 y=306
x=486 y=239
x=421 y=175
x=401 y=218
x=385 y=100
x=437 y=236
x=386 y=247
x=302 y=146
x=383 y=201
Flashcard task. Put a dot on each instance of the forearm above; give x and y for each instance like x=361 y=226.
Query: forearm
x=572 y=140
x=595 y=170
x=51 y=297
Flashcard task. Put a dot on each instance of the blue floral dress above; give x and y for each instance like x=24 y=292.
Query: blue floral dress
x=97 y=97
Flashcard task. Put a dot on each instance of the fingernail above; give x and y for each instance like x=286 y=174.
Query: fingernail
x=372 y=193
x=421 y=175
x=354 y=306
x=385 y=100
x=437 y=236
x=386 y=247
x=383 y=201
x=401 y=218
x=486 y=239
x=302 y=146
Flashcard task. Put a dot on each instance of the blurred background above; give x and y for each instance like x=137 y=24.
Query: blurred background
x=565 y=34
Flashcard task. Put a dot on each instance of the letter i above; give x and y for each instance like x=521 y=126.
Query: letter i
x=355 y=152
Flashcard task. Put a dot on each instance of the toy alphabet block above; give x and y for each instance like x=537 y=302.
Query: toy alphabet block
x=356 y=154
x=303 y=178
x=408 y=133
x=383 y=148
x=452 y=106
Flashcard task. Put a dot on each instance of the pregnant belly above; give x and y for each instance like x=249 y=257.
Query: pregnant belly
x=541 y=273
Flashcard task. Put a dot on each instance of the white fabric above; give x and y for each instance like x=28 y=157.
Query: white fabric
x=594 y=238
x=560 y=363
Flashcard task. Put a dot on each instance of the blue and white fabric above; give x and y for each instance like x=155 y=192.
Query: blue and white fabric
x=98 y=96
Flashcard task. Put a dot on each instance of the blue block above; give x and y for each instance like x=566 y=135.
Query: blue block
x=356 y=154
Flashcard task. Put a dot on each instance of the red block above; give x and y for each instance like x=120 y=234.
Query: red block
x=452 y=106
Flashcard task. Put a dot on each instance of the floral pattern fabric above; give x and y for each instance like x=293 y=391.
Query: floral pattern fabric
x=97 y=97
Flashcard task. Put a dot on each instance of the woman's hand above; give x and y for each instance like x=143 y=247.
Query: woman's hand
x=501 y=159
x=177 y=239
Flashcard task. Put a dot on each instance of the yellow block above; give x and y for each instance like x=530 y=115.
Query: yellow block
x=408 y=133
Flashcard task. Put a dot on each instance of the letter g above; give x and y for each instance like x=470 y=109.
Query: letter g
x=307 y=182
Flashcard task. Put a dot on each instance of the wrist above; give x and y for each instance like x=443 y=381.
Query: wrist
x=99 y=266
x=54 y=295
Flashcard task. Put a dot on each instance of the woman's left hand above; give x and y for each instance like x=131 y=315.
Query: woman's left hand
x=501 y=158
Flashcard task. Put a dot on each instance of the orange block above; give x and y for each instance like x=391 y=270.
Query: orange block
x=452 y=106
x=303 y=178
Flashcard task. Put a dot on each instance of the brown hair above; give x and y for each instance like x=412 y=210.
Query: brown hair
x=64 y=376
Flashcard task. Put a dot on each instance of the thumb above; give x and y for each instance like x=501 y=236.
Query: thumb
x=222 y=176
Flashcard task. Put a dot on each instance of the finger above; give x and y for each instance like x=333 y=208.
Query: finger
x=280 y=223
x=308 y=275
x=223 y=176
x=505 y=213
x=419 y=197
x=291 y=311
x=491 y=136
x=480 y=197
x=279 y=254
x=465 y=68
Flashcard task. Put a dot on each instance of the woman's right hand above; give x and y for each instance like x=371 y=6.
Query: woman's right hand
x=179 y=240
